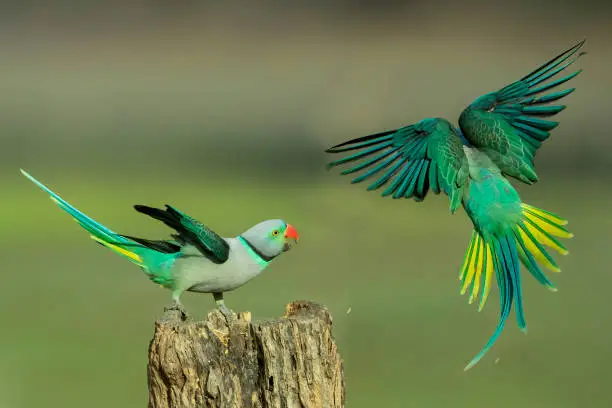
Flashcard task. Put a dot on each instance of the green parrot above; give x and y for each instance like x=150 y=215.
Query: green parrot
x=197 y=259
x=498 y=137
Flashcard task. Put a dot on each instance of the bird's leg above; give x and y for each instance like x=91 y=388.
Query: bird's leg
x=221 y=305
x=177 y=305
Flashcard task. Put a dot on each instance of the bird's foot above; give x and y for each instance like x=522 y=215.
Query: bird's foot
x=222 y=308
x=178 y=309
x=226 y=312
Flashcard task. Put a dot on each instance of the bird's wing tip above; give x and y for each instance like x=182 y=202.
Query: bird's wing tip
x=334 y=149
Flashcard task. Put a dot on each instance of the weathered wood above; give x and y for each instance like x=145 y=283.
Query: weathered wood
x=288 y=362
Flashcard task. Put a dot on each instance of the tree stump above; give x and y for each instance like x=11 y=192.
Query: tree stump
x=289 y=362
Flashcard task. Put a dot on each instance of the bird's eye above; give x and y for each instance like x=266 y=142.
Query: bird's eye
x=275 y=233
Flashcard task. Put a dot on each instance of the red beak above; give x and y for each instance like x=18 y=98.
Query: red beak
x=290 y=232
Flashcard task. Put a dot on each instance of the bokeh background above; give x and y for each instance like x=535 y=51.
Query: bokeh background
x=223 y=110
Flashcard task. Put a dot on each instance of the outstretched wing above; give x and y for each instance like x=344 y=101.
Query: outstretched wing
x=508 y=124
x=417 y=158
x=190 y=231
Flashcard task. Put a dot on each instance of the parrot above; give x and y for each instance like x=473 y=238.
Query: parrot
x=496 y=140
x=197 y=259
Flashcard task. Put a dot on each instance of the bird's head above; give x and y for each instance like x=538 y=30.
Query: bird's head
x=271 y=237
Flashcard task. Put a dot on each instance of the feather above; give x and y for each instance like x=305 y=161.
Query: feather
x=211 y=245
x=413 y=159
x=148 y=258
x=502 y=250
x=508 y=121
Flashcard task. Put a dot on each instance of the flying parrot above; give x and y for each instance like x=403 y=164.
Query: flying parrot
x=197 y=259
x=498 y=137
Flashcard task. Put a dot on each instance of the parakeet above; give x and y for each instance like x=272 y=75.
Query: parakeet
x=497 y=137
x=197 y=259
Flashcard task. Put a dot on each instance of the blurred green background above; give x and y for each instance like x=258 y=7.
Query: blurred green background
x=223 y=110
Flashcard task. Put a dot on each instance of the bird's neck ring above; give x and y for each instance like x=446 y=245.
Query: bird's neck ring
x=261 y=259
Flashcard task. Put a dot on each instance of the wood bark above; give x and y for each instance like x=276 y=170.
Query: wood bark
x=290 y=361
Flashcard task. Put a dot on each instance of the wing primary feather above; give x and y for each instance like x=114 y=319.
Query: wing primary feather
x=377 y=168
x=206 y=241
x=553 y=84
x=422 y=183
x=552 y=73
x=414 y=179
x=375 y=138
x=543 y=111
x=537 y=134
x=397 y=181
x=538 y=123
x=553 y=62
x=387 y=176
x=408 y=159
x=368 y=162
x=539 y=100
x=361 y=154
x=509 y=125
x=433 y=177
x=404 y=186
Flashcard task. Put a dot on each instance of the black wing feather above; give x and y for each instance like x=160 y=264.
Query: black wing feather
x=174 y=219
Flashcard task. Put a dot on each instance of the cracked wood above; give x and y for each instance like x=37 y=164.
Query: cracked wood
x=291 y=361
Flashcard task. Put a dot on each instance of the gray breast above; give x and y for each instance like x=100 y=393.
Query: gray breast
x=200 y=275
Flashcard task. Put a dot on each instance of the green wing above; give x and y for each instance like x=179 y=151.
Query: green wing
x=415 y=159
x=508 y=124
x=190 y=231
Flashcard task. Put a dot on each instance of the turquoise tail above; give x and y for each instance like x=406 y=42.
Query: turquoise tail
x=501 y=257
x=152 y=261
x=522 y=243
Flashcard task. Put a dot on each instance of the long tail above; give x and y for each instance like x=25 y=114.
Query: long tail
x=133 y=251
x=524 y=242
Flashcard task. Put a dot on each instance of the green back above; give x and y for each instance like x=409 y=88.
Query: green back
x=489 y=199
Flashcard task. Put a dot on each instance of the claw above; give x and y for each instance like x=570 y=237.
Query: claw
x=227 y=313
x=177 y=306
x=222 y=308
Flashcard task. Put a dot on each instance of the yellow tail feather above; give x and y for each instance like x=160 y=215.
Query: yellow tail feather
x=473 y=262
x=543 y=238
x=544 y=214
x=538 y=228
x=541 y=227
x=478 y=267
x=131 y=255
x=536 y=252
x=547 y=225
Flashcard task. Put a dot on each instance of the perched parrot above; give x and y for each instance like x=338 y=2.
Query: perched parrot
x=497 y=137
x=197 y=260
